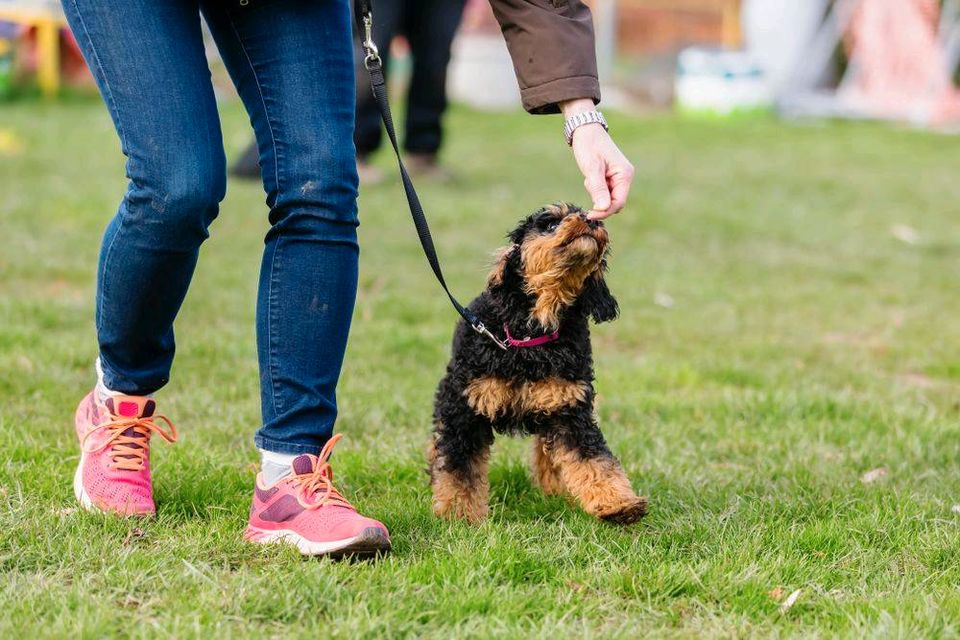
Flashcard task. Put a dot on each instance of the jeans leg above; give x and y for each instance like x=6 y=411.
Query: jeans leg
x=149 y=63
x=433 y=25
x=388 y=15
x=292 y=62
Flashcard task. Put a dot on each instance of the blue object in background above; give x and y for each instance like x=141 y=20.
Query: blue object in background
x=8 y=34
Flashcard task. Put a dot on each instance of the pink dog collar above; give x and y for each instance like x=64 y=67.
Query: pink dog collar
x=530 y=342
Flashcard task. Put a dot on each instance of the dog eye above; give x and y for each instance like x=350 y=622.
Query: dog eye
x=552 y=225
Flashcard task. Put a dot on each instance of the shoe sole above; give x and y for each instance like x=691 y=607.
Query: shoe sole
x=371 y=542
x=82 y=497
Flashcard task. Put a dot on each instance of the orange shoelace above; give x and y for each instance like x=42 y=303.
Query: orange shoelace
x=129 y=452
x=320 y=481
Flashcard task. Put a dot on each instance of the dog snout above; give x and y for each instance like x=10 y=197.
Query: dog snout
x=592 y=224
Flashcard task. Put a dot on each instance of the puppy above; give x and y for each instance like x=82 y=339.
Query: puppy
x=542 y=291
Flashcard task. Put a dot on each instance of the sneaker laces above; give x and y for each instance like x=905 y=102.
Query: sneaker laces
x=129 y=452
x=320 y=481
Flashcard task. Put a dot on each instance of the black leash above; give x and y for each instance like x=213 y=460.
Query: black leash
x=363 y=12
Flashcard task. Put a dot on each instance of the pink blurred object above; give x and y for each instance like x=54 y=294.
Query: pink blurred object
x=478 y=18
x=898 y=67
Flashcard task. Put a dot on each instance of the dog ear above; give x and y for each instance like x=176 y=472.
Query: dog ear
x=516 y=236
x=500 y=265
x=597 y=300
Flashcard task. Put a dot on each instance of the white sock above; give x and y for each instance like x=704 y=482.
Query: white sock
x=275 y=466
x=102 y=391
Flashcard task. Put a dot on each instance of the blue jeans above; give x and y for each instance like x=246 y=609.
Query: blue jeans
x=292 y=64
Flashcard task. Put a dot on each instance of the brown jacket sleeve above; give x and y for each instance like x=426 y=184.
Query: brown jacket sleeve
x=551 y=43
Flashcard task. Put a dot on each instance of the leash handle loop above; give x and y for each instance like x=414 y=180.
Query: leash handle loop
x=363 y=13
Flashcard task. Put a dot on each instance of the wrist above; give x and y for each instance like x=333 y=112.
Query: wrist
x=584 y=129
x=578 y=105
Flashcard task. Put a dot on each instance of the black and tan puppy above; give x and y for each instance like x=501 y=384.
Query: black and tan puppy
x=544 y=287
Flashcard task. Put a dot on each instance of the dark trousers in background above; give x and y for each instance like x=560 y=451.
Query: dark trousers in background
x=429 y=26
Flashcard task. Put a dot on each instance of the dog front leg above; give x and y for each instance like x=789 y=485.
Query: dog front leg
x=590 y=472
x=458 y=458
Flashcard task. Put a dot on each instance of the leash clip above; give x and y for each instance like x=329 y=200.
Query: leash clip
x=480 y=328
x=372 y=58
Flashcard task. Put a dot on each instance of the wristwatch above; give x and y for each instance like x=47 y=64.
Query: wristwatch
x=578 y=120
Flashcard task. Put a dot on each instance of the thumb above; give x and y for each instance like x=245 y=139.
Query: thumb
x=596 y=185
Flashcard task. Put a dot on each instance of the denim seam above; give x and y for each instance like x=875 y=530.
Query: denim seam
x=263 y=101
x=103 y=74
x=112 y=103
x=98 y=320
x=271 y=300
x=272 y=366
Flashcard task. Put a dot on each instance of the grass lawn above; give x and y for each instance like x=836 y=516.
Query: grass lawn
x=790 y=322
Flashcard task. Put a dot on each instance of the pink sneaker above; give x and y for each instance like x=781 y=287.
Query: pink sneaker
x=114 y=471
x=305 y=510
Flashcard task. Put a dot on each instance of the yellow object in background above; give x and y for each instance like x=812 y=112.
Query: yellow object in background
x=48 y=24
x=10 y=143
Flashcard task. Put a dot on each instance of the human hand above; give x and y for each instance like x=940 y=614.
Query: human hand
x=607 y=173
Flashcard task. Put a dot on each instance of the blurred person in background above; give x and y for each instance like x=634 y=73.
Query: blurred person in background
x=292 y=62
x=429 y=27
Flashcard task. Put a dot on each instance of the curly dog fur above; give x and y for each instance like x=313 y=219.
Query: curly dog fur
x=549 y=278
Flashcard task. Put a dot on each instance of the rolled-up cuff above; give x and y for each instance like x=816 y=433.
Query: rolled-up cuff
x=545 y=98
x=288 y=448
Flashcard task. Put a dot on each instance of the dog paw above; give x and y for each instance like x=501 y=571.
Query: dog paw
x=553 y=489
x=549 y=483
x=628 y=513
x=471 y=511
x=455 y=499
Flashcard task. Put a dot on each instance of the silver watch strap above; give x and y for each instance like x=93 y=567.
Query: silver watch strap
x=575 y=121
